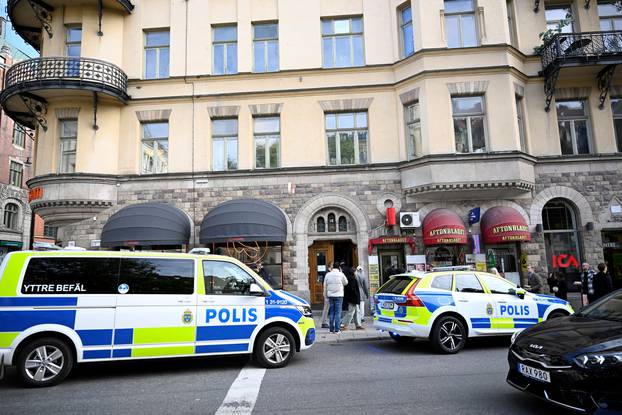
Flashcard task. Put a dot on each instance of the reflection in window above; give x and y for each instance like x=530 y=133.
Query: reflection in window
x=413 y=130
x=406 y=31
x=460 y=28
x=616 y=109
x=321 y=224
x=561 y=235
x=225 y=50
x=266 y=47
x=343 y=224
x=574 y=129
x=332 y=226
x=68 y=141
x=225 y=144
x=347 y=138
x=342 y=42
x=469 y=124
x=157 y=54
x=225 y=278
x=10 y=216
x=267 y=142
x=155 y=147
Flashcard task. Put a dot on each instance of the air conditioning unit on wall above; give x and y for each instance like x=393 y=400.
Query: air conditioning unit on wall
x=409 y=220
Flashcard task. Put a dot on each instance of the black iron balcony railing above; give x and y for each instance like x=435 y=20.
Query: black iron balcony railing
x=64 y=72
x=578 y=48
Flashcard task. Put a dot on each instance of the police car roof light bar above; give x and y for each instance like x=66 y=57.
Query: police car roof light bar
x=454 y=268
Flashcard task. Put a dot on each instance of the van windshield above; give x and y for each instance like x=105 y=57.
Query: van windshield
x=396 y=285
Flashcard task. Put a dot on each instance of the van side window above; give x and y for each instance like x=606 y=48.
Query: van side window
x=442 y=282
x=468 y=283
x=225 y=278
x=71 y=276
x=157 y=275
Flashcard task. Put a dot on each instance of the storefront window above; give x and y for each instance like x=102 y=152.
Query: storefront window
x=562 y=239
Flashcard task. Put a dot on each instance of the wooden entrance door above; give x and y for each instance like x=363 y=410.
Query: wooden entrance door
x=320 y=256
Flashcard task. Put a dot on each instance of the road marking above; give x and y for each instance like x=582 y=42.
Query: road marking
x=243 y=392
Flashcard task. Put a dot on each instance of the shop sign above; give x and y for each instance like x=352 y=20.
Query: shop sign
x=508 y=232
x=391 y=240
x=474 y=215
x=565 y=261
x=374 y=274
x=35 y=193
x=415 y=262
x=445 y=235
x=611 y=245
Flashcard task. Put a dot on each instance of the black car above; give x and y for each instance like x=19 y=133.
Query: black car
x=575 y=361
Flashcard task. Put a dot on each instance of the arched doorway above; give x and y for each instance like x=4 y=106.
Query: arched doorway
x=562 y=238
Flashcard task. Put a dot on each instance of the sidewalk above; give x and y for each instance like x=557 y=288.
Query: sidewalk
x=324 y=336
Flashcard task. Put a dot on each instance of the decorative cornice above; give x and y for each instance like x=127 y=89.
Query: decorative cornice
x=572 y=93
x=67 y=113
x=153 y=115
x=444 y=187
x=71 y=203
x=357 y=104
x=224 y=111
x=519 y=90
x=265 y=109
x=467 y=88
x=410 y=96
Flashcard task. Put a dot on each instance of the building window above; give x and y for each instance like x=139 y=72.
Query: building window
x=225 y=50
x=321 y=224
x=512 y=23
x=73 y=41
x=267 y=142
x=521 y=122
x=460 y=27
x=16 y=173
x=154 y=147
x=469 y=124
x=266 y=47
x=332 y=224
x=225 y=144
x=347 y=138
x=561 y=234
x=68 y=141
x=406 y=31
x=342 y=42
x=157 y=44
x=50 y=231
x=19 y=136
x=574 y=129
x=413 y=130
x=559 y=18
x=343 y=224
x=616 y=108
x=610 y=16
x=10 y=216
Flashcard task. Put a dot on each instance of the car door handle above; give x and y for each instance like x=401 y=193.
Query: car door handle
x=463 y=300
x=208 y=301
x=502 y=302
x=184 y=301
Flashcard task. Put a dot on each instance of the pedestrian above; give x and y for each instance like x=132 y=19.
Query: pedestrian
x=322 y=279
x=602 y=283
x=536 y=284
x=351 y=300
x=559 y=286
x=587 y=283
x=494 y=271
x=264 y=274
x=334 y=283
x=363 y=289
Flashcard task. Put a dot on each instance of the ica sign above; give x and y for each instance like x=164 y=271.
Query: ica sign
x=565 y=261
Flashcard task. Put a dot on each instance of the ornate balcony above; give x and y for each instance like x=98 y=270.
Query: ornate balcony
x=587 y=49
x=30 y=17
x=29 y=85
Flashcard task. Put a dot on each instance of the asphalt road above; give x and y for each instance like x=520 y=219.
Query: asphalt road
x=359 y=377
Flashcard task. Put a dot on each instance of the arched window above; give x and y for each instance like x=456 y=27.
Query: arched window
x=10 y=215
x=321 y=224
x=332 y=224
x=343 y=224
x=561 y=237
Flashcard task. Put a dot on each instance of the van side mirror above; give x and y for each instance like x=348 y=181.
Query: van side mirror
x=256 y=290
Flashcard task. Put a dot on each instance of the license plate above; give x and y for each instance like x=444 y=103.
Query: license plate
x=388 y=305
x=532 y=372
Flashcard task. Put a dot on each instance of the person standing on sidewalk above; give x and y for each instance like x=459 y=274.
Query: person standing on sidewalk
x=326 y=302
x=602 y=283
x=352 y=299
x=363 y=290
x=536 y=283
x=334 y=282
x=587 y=284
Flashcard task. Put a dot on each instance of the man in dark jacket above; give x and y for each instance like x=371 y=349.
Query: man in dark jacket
x=602 y=284
x=587 y=283
x=351 y=297
x=535 y=282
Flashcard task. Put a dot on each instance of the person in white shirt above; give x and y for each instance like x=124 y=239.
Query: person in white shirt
x=334 y=282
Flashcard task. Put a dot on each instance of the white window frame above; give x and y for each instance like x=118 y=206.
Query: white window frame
x=226 y=44
x=158 y=50
x=573 y=130
x=265 y=42
x=60 y=145
x=460 y=14
x=468 y=118
x=411 y=148
x=264 y=136
x=403 y=25
x=152 y=140
x=614 y=118
x=512 y=24
x=609 y=18
x=15 y=216
x=350 y=35
x=520 y=117
x=14 y=173
x=19 y=136
x=355 y=131
x=69 y=43
x=225 y=138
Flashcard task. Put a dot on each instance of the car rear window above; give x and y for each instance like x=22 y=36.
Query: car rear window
x=396 y=285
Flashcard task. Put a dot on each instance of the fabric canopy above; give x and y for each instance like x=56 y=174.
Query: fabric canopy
x=502 y=224
x=443 y=226
x=147 y=224
x=244 y=220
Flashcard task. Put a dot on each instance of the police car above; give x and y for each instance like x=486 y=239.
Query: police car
x=449 y=306
x=61 y=308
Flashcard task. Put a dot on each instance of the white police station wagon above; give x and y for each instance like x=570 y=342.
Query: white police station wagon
x=449 y=306
x=62 y=308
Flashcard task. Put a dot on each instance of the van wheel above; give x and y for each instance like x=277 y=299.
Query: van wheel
x=401 y=339
x=448 y=335
x=44 y=362
x=274 y=348
x=556 y=314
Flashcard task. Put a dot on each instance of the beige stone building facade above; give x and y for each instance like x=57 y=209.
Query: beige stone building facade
x=334 y=111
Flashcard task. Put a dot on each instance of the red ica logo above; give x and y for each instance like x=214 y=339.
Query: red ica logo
x=565 y=261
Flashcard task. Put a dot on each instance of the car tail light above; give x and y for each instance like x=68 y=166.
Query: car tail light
x=411 y=299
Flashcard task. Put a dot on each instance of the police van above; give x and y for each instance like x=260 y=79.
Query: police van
x=62 y=308
x=450 y=306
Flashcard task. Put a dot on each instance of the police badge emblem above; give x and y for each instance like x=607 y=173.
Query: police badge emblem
x=187 y=317
x=489 y=309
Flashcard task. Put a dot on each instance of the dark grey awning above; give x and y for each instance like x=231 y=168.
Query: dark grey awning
x=147 y=224
x=244 y=220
